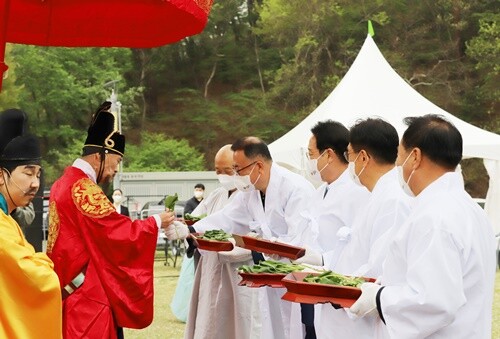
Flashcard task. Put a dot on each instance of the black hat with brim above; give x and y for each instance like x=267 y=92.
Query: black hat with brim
x=22 y=150
x=102 y=134
x=17 y=148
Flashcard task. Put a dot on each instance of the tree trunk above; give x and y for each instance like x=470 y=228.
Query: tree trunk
x=141 y=83
x=214 y=68
x=257 y=59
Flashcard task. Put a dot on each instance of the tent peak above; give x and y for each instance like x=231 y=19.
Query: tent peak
x=371 y=31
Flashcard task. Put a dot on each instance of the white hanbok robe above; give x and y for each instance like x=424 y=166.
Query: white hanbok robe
x=287 y=195
x=387 y=209
x=215 y=288
x=215 y=201
x=331 y=212
x=440 y=269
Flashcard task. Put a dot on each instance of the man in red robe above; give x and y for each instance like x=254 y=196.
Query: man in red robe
x=103 y=259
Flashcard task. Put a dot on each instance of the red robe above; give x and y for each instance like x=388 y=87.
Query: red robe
x=86 y=231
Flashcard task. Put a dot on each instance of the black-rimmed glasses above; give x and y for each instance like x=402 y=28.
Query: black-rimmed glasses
x=241 y=169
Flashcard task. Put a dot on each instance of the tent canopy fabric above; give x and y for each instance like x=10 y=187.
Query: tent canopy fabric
x=371 y=88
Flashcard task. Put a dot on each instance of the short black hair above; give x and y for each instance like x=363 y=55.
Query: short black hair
x=252 y=147
x=200 y=186
x=331 y=134
x=377 y=137
x=119 y=190
x=437 y=138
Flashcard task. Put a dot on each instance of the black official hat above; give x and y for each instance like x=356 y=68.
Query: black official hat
x=103 y=133
x=16 y=147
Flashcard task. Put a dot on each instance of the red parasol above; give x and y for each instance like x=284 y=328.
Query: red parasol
x=99 y=23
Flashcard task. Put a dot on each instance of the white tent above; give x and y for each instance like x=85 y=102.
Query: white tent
x=370 y=88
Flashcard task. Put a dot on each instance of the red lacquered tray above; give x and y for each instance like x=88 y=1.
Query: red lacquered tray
x=313 y=293
x=187 y=222
x=269 y=247
x=211 y=245
x=261 y=279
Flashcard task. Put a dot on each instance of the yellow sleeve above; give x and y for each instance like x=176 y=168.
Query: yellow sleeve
x=30 y=296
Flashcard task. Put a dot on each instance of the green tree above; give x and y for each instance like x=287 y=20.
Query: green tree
x=158 y=153
x=9 y=95
x=64 y=85
x=316 y=46
x=57 y=158
x=61 y=88
x=485 y=50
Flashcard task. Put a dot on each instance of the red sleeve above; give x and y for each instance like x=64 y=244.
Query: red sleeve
x=123 y=253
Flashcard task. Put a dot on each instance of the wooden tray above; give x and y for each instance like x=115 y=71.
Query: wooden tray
x=269 y=247
x=187 y=222
x=211 y=245
x=261 y=279
x=314 y=293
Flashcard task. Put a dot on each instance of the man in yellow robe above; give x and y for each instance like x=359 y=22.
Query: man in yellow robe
x=30 y=296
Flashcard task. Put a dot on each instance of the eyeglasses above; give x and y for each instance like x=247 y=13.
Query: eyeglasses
x=241 y=169
x=309 y=156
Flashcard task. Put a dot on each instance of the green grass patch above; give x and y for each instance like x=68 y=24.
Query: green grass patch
x=165 y=325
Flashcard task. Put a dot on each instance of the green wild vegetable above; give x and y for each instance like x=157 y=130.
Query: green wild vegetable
x=218 y=235
x=332 y=278
x=270 y=266
x=170 y=201
x=188 y=216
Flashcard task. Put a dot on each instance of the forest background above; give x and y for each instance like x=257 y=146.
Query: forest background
x=258 y=68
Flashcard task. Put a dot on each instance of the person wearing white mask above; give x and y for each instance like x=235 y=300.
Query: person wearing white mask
x=117 y=202
x=438 y=276
x=215 y=288
x=219 y=198
x=195 y=200
x=372 y=152
x=270 y=204
x=336 y=202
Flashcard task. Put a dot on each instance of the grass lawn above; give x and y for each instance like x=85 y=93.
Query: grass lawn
x=495 y=329
x=166 y=326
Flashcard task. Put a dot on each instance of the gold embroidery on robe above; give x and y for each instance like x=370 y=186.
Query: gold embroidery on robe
x=53 y=226
x=90 y=199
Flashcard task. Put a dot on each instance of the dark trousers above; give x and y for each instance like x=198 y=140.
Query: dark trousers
x=307 y=313
x=119 y=332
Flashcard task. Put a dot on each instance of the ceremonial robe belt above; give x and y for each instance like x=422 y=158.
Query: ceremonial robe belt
x=73 y=285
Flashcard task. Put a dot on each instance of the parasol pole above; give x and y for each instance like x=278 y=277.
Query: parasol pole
x=4 y=8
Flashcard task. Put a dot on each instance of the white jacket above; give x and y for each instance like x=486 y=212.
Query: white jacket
x=343 y=201
x=387 y=209
x=287 y=195
x=440 y=270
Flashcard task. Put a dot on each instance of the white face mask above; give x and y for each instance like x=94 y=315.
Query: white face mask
x=352 y=171
x=404 y=184
x=312 y=169
x=198 y=194
x=244 y=183
x=226 y=181
x=117 y=199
